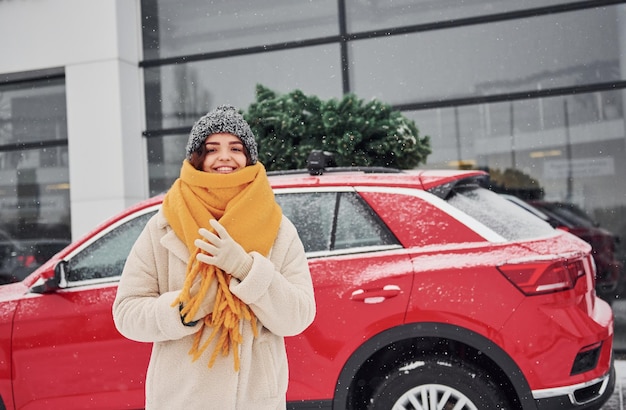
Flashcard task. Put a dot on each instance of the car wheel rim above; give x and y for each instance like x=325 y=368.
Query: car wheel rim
x=433 y=397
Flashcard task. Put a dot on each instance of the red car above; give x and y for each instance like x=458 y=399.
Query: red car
x=432 y=293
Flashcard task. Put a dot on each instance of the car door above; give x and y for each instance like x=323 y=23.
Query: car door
x=67 y=353
x=362 y=279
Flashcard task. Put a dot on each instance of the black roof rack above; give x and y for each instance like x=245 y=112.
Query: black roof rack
x=366 y=170
x=320 y=162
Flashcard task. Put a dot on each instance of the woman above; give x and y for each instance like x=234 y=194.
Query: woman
x=217 y=279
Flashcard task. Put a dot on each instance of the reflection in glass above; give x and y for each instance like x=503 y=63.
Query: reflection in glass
x=188 y=91
x=551 y=145
x=165 y=158
x=34 y=182
x=371 y=15
x=34 y=209
x=199 y=26
x=556 y=50
x=32 y=112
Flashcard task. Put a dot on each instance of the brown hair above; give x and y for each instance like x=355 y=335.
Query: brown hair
x=197 y=157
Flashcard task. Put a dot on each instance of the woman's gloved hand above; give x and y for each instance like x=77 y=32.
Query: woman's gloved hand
x=206 y=305
x=222 y=251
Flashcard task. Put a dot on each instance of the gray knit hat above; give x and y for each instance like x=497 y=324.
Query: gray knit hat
x=224 y=119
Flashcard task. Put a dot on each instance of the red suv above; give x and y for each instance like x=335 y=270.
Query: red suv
x=432 y=293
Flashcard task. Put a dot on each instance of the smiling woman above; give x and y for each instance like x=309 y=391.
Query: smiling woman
x=200 y=281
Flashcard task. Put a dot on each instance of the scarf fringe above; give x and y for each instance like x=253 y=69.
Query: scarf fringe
x=228 y=311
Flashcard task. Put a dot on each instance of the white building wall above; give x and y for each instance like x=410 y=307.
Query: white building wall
x=98 y=43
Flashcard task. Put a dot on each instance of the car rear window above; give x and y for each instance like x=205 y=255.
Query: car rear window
x=497 y=213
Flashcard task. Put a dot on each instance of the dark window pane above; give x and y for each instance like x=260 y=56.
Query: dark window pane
x=165 y=158
x=573 y=157
x=34 y=182
x=32 y=111
x=174 y=28
x=370 y=15
x=190 y=90
x=35 y=194
x=556 y=50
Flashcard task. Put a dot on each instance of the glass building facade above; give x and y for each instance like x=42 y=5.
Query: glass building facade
x=34 y=181
x=536 y=87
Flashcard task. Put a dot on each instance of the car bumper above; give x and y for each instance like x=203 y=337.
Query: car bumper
x=590 y=395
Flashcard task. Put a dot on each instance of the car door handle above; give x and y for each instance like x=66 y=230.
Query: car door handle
x=375 y=295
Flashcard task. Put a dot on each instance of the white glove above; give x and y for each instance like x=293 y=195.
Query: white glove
x=223 y=251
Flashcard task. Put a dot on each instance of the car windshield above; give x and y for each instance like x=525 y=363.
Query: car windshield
x=499 y=214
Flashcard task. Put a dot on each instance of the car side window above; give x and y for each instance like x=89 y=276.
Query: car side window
x=106 y=257
x=334 y=221
x=312 y=213
x=358 y=225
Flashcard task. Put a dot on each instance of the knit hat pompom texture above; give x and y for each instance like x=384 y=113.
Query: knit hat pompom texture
x=224 y=119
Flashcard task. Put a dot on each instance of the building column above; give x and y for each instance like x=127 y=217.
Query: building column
x=107 y=153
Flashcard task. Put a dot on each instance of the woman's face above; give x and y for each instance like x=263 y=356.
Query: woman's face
x=225 y=153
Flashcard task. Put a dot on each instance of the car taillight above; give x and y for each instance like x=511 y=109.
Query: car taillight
x=538 y=277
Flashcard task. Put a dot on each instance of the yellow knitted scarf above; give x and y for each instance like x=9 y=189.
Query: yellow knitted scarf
x=243 y=202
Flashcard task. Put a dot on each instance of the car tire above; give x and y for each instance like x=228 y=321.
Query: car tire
x=437 y=383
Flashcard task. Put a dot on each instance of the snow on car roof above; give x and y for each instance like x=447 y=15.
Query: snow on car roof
x=423 y=179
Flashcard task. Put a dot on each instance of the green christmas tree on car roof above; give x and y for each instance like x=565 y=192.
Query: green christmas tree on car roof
x=289 y=126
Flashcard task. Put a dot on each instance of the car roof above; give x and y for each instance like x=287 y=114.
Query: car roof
x=421 y=179
x=418 y=179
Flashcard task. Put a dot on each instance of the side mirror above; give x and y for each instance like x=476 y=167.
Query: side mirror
x=51 y=284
